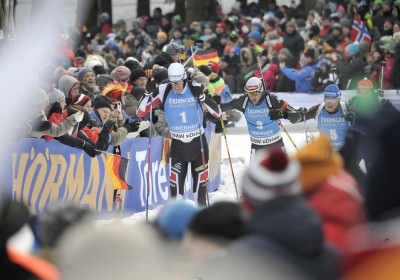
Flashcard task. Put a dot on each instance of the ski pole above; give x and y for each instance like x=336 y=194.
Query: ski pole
x=261 y=74
x=305 y=129
x=149 y=163
x=270 y=104
x=381 y=81
x=203 y=158
x=305 y=125
x=191 y=57
x=288 y=135
x=229 y=157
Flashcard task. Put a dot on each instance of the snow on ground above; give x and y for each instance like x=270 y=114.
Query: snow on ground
x=239 y=147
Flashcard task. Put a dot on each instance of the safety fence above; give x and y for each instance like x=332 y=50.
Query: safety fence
x=39 y=172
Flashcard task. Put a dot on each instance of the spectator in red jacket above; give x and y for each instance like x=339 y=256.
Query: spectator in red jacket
x=331 y=191
x=389 y=50
x=269 y=76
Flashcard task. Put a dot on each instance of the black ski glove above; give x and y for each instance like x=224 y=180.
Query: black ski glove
x=102 y=143
x=277 y=114
x=55 y=108
x=154 y=118
x=217 y=99
x=302 y=110
x=39 y=124
x=197 y=92
x=89 y=149
x=219 y=128
x=349 y=116
x=132 y=127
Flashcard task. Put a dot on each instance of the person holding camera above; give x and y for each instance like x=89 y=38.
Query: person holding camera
x=80 y=136
x=104 y=116
x=324 y=75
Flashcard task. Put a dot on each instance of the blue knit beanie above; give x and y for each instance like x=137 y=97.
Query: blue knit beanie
x=174 y=218
x=353 y=48
x=331 y=91
x=255 y=35
x=82 y=72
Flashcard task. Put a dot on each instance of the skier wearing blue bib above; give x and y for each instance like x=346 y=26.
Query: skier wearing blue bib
x=261 y=111
x=330 y=116
x=183 y=102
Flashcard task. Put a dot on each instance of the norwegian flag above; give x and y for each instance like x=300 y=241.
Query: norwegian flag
x=359 y=31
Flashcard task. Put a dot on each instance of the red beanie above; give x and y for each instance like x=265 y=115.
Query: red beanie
x=114 y=91
x=215 y=66
x=79 y=99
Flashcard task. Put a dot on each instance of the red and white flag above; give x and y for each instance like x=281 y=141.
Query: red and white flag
x=359 y=31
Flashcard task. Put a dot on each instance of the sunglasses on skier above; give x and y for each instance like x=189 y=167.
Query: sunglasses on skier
x=176 y=82
x=253 y=93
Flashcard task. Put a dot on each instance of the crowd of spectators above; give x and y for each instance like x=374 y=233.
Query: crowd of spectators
x=104 y=71
x=304 y=217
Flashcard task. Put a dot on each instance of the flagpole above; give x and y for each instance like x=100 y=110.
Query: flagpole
x=191 y=57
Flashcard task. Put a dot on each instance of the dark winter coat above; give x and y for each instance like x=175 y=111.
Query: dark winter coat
x=163 y=59
x=131 y=104
x=295 y=43
x=286 y=228
x=334 y=41
x=92 y=93
x=396 y=68
x=320 y=80
x=352 y=72
x=117 y=136
x=284 y=84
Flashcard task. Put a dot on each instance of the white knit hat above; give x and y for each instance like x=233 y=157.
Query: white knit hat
x=56 y=95
x=270 y=174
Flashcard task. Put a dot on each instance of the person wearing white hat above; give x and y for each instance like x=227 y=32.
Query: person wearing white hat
x=184 y=102
x=261 y=111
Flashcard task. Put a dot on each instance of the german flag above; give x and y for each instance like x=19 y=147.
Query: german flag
x=116 y=167
x=204 y=57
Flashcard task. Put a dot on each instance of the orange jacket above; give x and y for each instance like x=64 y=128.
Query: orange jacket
x=39 y=267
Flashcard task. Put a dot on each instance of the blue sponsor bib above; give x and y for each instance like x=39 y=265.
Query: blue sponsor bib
x=261 y=128
x=184 y=115
x=334 y=125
